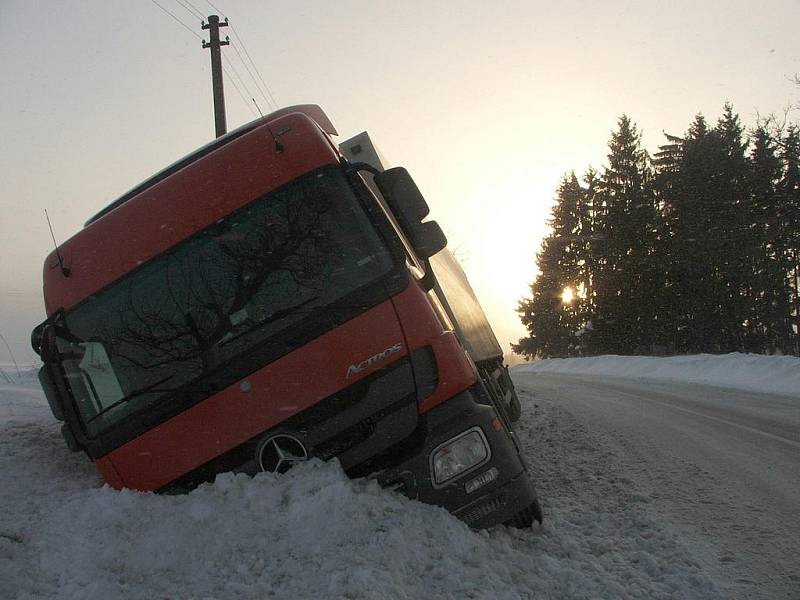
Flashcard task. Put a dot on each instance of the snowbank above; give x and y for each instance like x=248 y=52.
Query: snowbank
x=774 y=374
x=314 y=533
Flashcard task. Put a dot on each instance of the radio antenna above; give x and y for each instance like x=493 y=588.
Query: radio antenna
x=257 y=107
x=64 y=269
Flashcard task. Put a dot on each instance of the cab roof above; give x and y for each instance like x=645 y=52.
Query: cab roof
x=313 y=111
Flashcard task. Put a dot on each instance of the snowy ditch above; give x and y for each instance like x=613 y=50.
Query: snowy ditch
x=313 y=533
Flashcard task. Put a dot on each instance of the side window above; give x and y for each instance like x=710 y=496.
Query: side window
x=90 y=375
x=99 y=376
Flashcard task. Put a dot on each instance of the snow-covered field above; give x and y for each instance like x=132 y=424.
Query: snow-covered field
x=313 y=533
x=773 y=374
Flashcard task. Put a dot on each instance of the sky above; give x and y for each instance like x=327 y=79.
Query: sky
x=487 y=105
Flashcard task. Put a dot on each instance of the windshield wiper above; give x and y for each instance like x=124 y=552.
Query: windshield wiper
x=144 y=390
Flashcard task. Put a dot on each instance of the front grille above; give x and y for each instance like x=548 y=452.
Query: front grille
x=328 y=409
x=343 y=425
x=477 y=512
x=347 y=439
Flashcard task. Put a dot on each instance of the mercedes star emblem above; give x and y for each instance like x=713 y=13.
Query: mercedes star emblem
x=279 y=452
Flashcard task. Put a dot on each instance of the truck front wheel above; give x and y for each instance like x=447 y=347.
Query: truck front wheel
x=525 y=518
x=514 y=408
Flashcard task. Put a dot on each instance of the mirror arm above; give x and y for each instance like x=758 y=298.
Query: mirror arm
x=36 y=334
x=428 y=280
x=361 y=166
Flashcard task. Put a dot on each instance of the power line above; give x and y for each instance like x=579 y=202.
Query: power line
x=216 y=9
x=244 y=85
x=190 y=9
x=255 y=67
x=239 y=54
x=181 y=23
x=239 y=91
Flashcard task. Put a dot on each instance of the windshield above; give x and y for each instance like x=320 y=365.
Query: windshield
x=285 y=258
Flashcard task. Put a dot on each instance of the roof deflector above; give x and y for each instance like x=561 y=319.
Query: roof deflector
x=312 y=111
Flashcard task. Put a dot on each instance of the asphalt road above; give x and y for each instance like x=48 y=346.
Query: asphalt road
x=721 y=466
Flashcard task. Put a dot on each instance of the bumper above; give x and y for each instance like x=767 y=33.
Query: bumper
x=492 y=503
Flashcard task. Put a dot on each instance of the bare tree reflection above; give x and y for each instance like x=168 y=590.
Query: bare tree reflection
x=244 y=273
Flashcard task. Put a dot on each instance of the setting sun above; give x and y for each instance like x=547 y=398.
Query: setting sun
x=568 y=295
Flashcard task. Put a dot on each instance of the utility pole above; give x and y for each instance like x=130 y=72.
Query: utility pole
x=213 y=26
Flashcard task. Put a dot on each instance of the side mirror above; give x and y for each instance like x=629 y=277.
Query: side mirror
x=48 y=344
x=403 y=197
x=51 y=391
x=409 y=208
x=428 y=239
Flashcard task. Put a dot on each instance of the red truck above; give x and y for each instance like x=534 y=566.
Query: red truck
x=264 y=301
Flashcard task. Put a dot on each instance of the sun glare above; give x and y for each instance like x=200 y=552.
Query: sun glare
x=568 y=295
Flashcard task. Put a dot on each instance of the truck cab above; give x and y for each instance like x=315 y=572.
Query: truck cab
x=260 y=303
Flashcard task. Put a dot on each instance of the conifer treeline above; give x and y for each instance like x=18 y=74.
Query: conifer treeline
x=696 y=249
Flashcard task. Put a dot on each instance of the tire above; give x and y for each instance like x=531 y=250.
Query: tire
x=514 y=408
x=524 y=519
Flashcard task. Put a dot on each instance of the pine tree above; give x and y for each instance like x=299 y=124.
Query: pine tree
x=769 y=300
x=702 y=184
x=548 y=325
x=667 y=163
x=738 y=245
x=696 y=249
x=592 y=242
x=698 y=253
x=555 y=312
x=789 y=197
x=627 y=285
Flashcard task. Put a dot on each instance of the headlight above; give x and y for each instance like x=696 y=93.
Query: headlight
x=458 y=455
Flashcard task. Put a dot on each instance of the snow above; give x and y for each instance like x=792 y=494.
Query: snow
x=717 y=465
x=11 y=373
x=313 y=533
x=772 y=374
